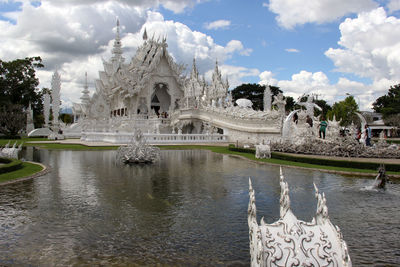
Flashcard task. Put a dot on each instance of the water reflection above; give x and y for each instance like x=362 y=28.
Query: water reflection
x=190 y=208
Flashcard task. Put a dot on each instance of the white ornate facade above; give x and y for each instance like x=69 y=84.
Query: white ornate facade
x=152 y=94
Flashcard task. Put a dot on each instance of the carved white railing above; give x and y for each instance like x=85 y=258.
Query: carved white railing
x=227 y=120
x=124 y=138
x=292 y=242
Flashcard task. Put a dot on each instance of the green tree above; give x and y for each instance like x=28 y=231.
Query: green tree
x=66 y=118
x=290 y=103
x=18 y=84
x=253 y=92
x=325 y=108
x=345 y=111
x=12 y=119
x=388 y=104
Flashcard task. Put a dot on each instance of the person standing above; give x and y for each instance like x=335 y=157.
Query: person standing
x=309 y=121
x=322 y=128
x=368 y=135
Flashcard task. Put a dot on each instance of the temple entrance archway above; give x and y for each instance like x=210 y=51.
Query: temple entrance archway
x=160 y=99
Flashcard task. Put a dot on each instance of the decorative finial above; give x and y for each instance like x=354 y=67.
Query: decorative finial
x=145 y=34
x=117 y=49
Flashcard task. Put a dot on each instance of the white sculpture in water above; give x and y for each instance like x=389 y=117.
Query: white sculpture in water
x=138 y=151
x=11 y=152
x=292 y=242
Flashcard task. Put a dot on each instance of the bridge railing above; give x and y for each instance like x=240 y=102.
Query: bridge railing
x=125 y=138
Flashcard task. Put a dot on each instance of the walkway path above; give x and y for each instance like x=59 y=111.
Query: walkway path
x=372 y=160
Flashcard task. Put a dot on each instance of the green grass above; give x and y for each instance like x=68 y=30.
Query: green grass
x=27 y=170
x=25 y=141
x=3 y=142
x=70 y=146
x=225 y=150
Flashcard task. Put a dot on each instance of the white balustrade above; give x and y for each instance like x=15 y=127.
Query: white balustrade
x=124 y=138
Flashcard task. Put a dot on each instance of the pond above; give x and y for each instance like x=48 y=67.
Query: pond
x=190 y=208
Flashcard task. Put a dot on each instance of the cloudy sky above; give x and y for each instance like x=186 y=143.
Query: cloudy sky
x=326 y=47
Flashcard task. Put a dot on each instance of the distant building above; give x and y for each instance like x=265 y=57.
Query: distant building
x=377 y=124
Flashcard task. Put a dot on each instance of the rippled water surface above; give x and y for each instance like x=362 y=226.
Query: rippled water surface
x=188 y=209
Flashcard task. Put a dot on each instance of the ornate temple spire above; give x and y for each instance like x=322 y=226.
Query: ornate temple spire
x=195 y=73
x=85 y=93
x=219 y=88
x=216 y=74
x=145 y=35
x=117 y=49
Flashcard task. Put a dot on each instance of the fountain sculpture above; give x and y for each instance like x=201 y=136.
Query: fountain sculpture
x=292 y=242
x=381 y=179
x=138 y=151
x=11 y=152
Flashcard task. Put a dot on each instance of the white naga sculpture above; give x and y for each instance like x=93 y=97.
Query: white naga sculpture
x=244 y=103
x=11 y=152
x=280 y=102
x=138 y=151
x=309 y=105
x=292 y=242
x=263 y=151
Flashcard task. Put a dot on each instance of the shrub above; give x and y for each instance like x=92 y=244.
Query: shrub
x=241 y=149
x=10 y=165
x=336 y=163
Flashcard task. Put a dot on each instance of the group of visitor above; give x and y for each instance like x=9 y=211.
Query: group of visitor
x=368 y=135
x=324 y=124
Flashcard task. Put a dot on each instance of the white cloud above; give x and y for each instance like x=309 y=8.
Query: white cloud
x=235 y=45
x=318 y=83
x=267 y=78
x=292 y=13
x=218 y=24
x=393 y=5
x=292 y=50
x=370 y=46
x=177 y=6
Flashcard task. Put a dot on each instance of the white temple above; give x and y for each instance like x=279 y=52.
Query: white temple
x=152 y=94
